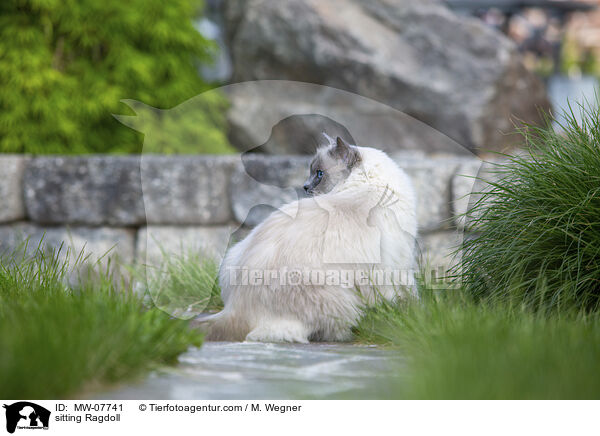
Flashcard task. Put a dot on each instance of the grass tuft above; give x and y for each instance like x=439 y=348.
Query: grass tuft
x=185 y=285
x=538 y=242
x=455 y=348
x=57 y=340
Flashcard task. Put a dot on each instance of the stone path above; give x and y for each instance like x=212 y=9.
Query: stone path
x=224 y=370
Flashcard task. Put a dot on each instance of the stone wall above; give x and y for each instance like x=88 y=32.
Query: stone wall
x=140 y=207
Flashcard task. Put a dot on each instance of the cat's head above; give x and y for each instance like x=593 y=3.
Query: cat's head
x=331 y=166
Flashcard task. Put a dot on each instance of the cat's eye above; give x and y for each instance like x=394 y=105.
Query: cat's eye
x=319 y=173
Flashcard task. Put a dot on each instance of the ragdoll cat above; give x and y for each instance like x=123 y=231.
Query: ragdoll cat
x=305 y=273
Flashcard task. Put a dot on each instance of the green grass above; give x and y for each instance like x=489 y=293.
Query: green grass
x=455 y=348
x=524 y=323
x=539 y=224
x=184 y=285
x=57 y=340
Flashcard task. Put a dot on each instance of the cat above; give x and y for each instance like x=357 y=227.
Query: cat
x=295 y=277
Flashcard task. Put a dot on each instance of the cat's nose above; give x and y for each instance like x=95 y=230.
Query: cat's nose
x=306 y=187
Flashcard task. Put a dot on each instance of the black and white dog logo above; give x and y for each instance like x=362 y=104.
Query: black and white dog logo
x=26 y=415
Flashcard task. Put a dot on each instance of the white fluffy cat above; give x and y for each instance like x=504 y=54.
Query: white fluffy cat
x=295 y=277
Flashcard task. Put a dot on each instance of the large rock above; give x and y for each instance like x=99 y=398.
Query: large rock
x=187 y=189
x=452 y=72
x=286 y=117
x=11 y=188
x=84 y=190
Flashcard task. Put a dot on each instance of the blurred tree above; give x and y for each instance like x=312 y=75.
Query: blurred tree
x=66 y=64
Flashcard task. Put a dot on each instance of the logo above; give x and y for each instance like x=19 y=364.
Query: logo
x=26 y=415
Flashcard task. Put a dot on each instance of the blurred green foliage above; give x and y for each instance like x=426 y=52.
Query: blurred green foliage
x=578 y=60
x=182 y=129
x=65 y=65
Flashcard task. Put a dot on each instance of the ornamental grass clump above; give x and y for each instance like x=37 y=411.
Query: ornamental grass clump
x=538 y=224
x=60 y=340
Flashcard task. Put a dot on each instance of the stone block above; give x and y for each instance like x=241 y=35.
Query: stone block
x=156 y=242
x=263 y=183
x=94 y=190
x=187 y=190
x=11 y=188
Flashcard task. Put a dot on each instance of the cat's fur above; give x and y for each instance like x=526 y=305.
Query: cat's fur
x=361 y=215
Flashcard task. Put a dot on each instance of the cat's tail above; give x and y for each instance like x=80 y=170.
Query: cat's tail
x=222 y=326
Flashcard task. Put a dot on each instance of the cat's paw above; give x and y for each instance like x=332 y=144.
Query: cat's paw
x=279 y=331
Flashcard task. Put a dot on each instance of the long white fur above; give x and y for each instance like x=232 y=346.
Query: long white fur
x=345 y=221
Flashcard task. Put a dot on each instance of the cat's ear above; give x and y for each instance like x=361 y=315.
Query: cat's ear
x=341 y=149
x=349 y=155
x=340 y=143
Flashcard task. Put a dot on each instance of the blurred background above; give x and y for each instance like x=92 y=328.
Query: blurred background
x=121 y=127
x=470 y=69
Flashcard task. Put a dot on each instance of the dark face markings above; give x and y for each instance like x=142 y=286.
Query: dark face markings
x=331 y=167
